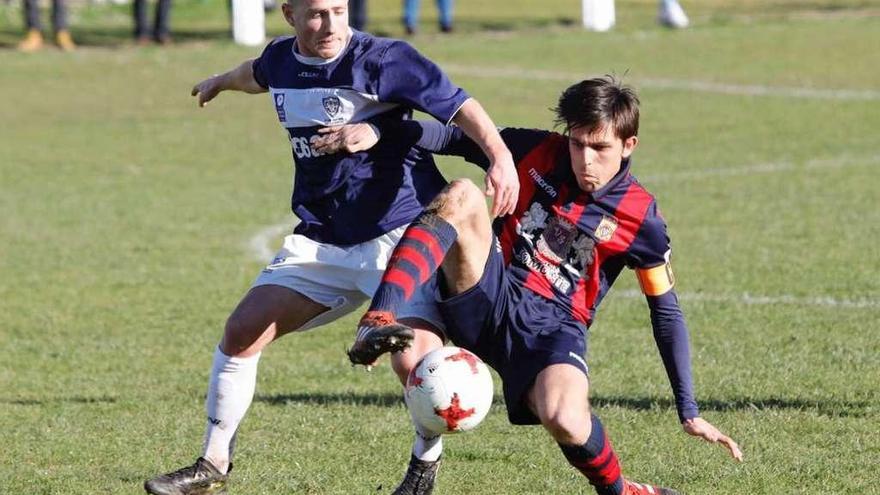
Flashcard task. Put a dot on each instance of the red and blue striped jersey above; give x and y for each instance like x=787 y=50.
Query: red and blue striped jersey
x=569 y=246
x=562 y=243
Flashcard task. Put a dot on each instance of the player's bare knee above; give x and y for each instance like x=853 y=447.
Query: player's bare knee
x=567 y=425
x=239 y=336
x=459 y=200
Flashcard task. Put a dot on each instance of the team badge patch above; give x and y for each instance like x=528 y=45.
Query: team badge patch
x=557 y=239
x=605 y=230
x=279 y=107
x=331 y=105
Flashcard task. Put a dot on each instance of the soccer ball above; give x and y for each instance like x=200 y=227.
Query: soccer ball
x=450 y=390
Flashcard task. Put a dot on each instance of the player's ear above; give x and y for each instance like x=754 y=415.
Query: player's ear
x=287 y=11
x=629 y=145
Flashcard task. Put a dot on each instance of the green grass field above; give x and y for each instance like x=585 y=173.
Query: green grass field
x=128 y=215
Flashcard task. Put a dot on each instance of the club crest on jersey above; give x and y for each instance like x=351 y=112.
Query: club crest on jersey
x=556 y=240
x=331 y=105
x=605 y=230
x=279 y=107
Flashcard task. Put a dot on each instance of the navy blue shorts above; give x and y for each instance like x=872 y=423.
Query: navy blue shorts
x=515 y=331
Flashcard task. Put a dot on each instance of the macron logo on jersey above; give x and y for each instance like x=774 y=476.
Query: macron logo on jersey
x=542 y=183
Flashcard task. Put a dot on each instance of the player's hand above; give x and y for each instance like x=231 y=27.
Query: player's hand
x=208 y=89
x=502 y=183
x=349 y=138
x=701 y=428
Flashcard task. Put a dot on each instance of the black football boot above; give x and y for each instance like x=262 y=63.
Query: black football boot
x=202 y=478
x=419 y=479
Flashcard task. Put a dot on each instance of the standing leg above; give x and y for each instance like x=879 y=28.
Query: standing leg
x=266 y=313
x=559 y=400
x=139 y=12
x=444 y=8
x=33 y=38
x=32 y=15
x=59 y=22
x=161 y=30
x=671 y=15
x=410 y=16
x=59 y=15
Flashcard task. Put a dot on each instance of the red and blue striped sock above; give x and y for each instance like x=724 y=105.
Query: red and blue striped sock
x=416 y=257
x=597 y=461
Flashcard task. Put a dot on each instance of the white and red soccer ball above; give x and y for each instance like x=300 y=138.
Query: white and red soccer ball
x=449 y=390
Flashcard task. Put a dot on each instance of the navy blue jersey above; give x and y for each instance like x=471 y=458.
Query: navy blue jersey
x=350 y=198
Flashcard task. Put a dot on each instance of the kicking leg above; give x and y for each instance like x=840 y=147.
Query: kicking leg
x=454 y=232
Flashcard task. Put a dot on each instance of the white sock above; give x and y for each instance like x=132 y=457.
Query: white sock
x=427 y=447
x=230 y=392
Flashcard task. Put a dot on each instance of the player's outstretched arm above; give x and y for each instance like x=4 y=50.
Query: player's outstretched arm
x=240 y=78
x=701 y=428
x=502 y=181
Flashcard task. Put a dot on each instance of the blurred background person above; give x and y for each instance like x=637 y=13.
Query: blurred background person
x=160 y=32
x=411 y=15
x=357 y=14
x=670 y=14
x=33 y=39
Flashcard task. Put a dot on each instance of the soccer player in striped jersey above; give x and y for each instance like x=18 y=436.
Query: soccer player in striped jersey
x=352 y=206
x=522 y=292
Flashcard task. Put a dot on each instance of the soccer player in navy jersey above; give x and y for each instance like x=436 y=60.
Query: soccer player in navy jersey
x=352 y=206
x=522 y=292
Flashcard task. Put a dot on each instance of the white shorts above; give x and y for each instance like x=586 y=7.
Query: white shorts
x=343 y=277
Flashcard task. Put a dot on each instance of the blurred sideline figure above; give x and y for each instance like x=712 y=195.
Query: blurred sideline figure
x=670 y=14
x=33 y=39
x=599 y=15
x=357 y=13
x=160 y=33
x=411 y=15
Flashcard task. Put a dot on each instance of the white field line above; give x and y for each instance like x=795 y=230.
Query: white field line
x=764 y=168
x=670 y=84
x=765 y=300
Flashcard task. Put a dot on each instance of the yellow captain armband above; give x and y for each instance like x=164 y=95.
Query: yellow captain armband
x=656 y=281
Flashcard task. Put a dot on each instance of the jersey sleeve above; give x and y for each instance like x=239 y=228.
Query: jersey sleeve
x=521 y=142
x=671 y=337
x=451 y=140
x=260 y=66
x=649 y=255
x=407 y=77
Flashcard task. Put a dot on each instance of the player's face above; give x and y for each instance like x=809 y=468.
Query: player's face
x=596 y=156
x=321 y=26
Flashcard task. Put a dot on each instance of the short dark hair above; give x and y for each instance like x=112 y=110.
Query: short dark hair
x=599 y=101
